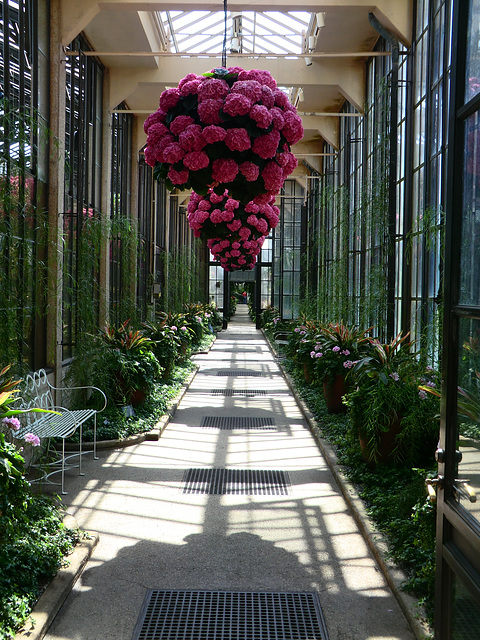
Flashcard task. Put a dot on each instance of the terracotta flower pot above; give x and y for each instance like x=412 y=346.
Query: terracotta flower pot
x=333 y=394
x=306 y=373
x=386 y=443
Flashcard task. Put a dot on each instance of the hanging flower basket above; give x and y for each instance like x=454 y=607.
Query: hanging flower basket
x=229 y=129
x=235 y=232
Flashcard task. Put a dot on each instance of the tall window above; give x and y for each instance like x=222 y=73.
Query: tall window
x=123 y=233
x=22 y=196
x=82 y=224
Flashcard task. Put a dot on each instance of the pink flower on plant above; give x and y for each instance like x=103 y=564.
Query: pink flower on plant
x=293 y=128
x=191 y=139
x=266 y=146
x=156 y=133
x=277 y=118
x=212 y=89
x=32 y=439
x=281 y=99
x=169 y=99
x=273 y=177
x=154 y=118
x=248 y=88
x=180 y=124
x=11 y=423
x=336 y=349
x=348 y=364
x=196 y=160
x=209 y=111
x=395 y=376
x=150 y=157
x=250 y=170
x=224 y=170
x=236 y=105
x=346 y=352
x=261 y=115
x=212 y=134
x=234 y=225
x=423 y=395
x=190 y=87
x=188 y=78
x=268 y=99
x=237 y=140
x=173 y=153
x=178 y=177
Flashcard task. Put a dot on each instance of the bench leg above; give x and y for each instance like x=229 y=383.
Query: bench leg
x=63 y=467
x=80 y=452
x=95 y=457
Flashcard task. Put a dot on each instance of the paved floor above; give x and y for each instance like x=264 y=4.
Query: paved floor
x=152 y=535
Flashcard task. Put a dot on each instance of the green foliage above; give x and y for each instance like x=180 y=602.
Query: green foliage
x=34 y=544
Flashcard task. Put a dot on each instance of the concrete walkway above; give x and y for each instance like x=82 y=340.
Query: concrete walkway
x=152 y=535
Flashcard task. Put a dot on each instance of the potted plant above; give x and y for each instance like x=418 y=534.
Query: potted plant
x=301 y=344
x=124 y=364
x=335 y=350
x=166 y=343
x=390 y=411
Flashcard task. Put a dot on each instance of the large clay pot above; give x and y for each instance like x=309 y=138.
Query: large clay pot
x=386 y=443
x=333 y=393
x=306 y=373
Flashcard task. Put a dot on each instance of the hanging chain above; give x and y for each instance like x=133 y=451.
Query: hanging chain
x=224 y=52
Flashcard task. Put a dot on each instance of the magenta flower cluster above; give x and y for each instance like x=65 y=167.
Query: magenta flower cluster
x=230 y=128
x=235 y=233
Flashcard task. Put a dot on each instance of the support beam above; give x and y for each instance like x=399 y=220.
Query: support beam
x=397 y=16
x=328 y=129
x=347 y=76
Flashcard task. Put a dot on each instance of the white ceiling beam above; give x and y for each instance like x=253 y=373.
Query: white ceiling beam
x=348 y=77
x=328 y=129
x=395 y=15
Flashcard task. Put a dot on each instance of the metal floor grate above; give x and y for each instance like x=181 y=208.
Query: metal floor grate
x=230 y=615
x=250 y=393
x=245 y=482
x=237 y=422
x=239 y=372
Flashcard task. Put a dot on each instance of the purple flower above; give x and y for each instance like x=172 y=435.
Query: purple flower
x=395 y=376
x=297 y=329
x=431 y=384
x=32 y=439
x=302 y=333
x=422 y=394
x=12 y=423
x=348 y=364
x=336 y=348
x=312 y=354
x=319 y=354
x=318 y=347
x=174 y=328
x=183 y=328
x=346 y=352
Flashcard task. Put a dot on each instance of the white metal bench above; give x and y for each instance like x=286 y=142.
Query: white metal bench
x=37 y=392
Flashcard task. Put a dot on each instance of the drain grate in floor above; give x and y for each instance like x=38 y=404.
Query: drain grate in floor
x=230 y=615
x=245 y=482
x=238 y=372
x=237 y=422
x=249 y=393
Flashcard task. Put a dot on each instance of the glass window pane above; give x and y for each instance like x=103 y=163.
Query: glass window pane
x=470 y=247
x=472 y=87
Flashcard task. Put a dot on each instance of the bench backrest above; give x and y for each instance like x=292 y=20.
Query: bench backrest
x=36 y=392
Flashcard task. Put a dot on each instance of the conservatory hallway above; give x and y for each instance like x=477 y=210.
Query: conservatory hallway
x=234 y=497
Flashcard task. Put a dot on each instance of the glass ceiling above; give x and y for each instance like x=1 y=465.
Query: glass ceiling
x=271 y=32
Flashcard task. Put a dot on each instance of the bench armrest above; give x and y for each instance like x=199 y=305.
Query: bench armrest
x=92 y=388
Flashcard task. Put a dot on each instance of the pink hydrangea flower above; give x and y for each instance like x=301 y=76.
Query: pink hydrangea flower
x=266 y=146
x=173 y=153
x=213 y=134
x=234 y=225
x=188 y=78
x=190 y=87
x=249 y=88
x=268 y=99
x=236 y=104
x=212 y=89
x=224 y=170
x=156 y=133
x=209 y=111
x=261 y=115
x=180 y=124
x=154 y=118
x=250 y=170
x=293 y=128
x=196 y=160
x=150 y=156
x=237 y=140
x=192 y=138
x=169 y=99
x=178 y=177
x=273 y=177
x=281 y=99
